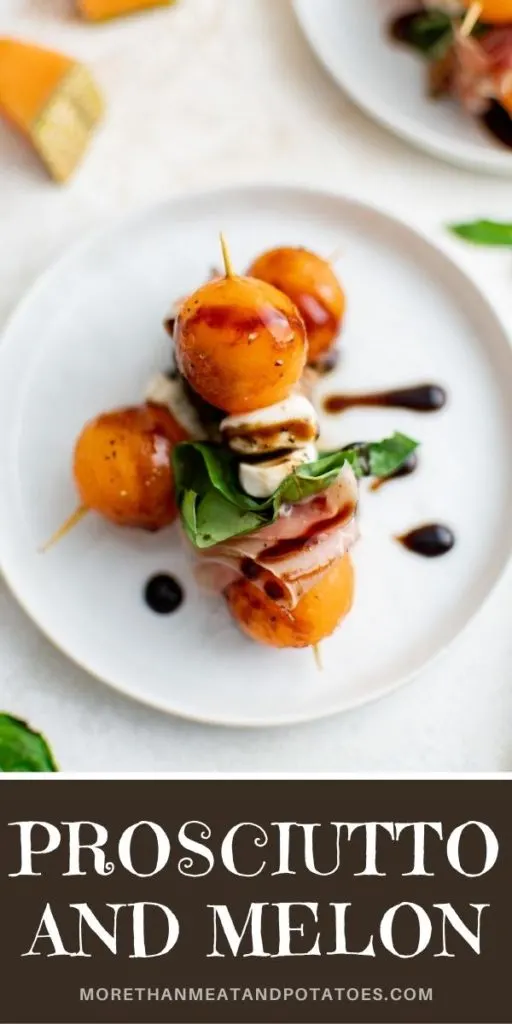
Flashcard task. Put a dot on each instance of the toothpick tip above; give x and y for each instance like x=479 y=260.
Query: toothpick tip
x=318 y=657
x=70 y=523
x=471 y=18
x=336 y=255
x=228 y=266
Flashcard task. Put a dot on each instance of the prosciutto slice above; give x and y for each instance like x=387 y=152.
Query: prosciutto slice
x=483 y=70
x=497 y=44
x=288 y=557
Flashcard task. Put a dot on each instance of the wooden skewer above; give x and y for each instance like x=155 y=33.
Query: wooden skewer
x=471 y=19
x=228 y=266
x=336 y=255
x=318 y=657
x=70 y=523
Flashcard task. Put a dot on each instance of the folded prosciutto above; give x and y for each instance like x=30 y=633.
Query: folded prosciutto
x=482 y=70
x=290 y=556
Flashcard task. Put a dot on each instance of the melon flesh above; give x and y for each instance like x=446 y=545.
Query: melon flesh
x=101 y=10
x=52 y=99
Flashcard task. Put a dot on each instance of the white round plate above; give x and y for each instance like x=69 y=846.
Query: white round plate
x=88 y=337
x=388 y=81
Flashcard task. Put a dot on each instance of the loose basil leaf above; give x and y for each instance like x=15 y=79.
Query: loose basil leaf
x=430 y=32
x=484 y=232
x=22 y=749
x=387 y=456
x=214 y=508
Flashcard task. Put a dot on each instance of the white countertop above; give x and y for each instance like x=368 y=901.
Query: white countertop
x=218 y=92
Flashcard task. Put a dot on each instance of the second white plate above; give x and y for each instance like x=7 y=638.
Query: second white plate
x=87 y=339
x=389 y=81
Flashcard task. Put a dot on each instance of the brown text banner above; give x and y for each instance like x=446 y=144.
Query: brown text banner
x=259 y=901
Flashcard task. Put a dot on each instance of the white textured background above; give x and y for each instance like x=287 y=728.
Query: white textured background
x=216 y=92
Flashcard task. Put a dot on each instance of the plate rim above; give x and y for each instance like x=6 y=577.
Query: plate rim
x=243 y=190
x=495 y=162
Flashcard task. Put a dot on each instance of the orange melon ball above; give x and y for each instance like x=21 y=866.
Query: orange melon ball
x=122 y=466
x=316 y=616
x=493 y=11
x=240 y=343
x=310 y=282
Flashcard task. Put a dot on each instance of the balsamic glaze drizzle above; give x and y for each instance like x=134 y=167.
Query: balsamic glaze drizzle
x=421 y=398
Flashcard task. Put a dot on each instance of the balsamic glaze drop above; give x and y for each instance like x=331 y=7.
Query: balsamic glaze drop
x=163 y=594
x=422 y=398
x=430 y=541
x=498 y=121
x=409 y=466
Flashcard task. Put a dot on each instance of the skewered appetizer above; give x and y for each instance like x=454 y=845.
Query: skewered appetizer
x=272 y=521
x=310 y=282
x=228 y=441
x=468 y=46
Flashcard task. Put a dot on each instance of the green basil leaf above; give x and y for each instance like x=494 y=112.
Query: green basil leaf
x=22 y=749
x=198 y=466
x=430 y=32
x=188 y=512
x=218 y=519
x=484 y=232
x=214 y=508
x=387 y=456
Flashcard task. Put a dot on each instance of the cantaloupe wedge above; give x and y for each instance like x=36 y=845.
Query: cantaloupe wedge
x=52 y=99
x=101 y=10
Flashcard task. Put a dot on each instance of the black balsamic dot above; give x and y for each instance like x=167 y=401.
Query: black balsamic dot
x=498 y=121
x=430 y=541
x=163 y=594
